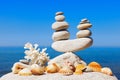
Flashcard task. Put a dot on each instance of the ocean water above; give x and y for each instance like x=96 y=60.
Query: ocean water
x=106 y=56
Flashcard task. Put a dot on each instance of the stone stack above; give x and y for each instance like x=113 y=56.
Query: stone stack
x=83 y=27
x=62 y=43
x=60 y=27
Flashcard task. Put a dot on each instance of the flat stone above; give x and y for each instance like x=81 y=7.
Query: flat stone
x=61 y=35
x=69 y=56
x=58 y=76
x=59 y=18
x=83 y=33
x=59 y=13
x=72 y=45
x=24 y=61
x=60 y=25
x=84 y=20
x=84 y=26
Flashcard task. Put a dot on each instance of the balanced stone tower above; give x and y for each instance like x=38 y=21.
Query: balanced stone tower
x=83 y=27
x=63 y=44
x=61 y=36
x=60 y=26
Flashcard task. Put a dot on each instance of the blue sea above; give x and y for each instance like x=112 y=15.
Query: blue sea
x=106 y=56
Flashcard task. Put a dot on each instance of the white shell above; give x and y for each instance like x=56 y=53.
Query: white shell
x=107 y=71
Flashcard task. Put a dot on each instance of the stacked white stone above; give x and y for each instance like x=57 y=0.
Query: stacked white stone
x=60 y=27
x=83 y=27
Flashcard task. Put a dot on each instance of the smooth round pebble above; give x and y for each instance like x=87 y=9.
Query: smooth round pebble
x=59 y=13
x=60 y=35
x=83 y=33
x=60 y=25
x=84 y=20
x=84 y=26
x=60 y=18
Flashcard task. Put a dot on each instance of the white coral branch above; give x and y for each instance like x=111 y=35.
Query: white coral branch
x=34 y=55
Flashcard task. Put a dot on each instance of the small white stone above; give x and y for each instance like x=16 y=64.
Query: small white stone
x=60 y=18
x=60 y=25
x=72 y=45
x=84 y=20
x=60 y=35
x=59 y=13
x=84 y=26
x=83 y=33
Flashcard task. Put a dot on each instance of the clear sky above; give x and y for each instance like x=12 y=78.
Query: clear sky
x=24 y=21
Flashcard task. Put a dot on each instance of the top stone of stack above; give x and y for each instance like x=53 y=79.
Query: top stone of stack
x=59 y=17
x=60 y=24
x=59 y=13
x=84 y=24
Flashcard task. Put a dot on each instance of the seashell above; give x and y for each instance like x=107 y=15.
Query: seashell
x=107 y=71
x=80 y=67
x=37 y=70
x=78 y=72
x=18 y=67
x=25 y=72
x=66 y=71
x=52 y=68
x=88 y=69
x=96 y=67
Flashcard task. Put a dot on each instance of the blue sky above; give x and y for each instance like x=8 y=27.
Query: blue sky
x=24 y=21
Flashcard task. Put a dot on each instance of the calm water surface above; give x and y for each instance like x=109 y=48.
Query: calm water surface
x=107 y=57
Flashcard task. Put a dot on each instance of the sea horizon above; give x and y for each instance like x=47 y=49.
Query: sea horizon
x=106 y=56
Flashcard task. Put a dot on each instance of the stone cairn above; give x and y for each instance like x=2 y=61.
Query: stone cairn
x=63 y=44
x=61 y=28
x=83 y=27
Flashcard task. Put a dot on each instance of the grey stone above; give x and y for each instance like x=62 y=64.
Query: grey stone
x=60 y=18
x=84 y=26
x=83 y=33
x=24 y=61
x=60 y=35
x=60 y=25
x=72 y=45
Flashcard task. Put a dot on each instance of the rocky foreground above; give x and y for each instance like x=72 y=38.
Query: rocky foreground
x=57 y=76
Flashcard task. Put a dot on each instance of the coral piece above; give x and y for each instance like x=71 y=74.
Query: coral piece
x=25 y=72
x=52 y=68
x=107 y=71
x=66 y=71
x=18 y=67
x=37 y=70
x=96 y=67
x=34 y=56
